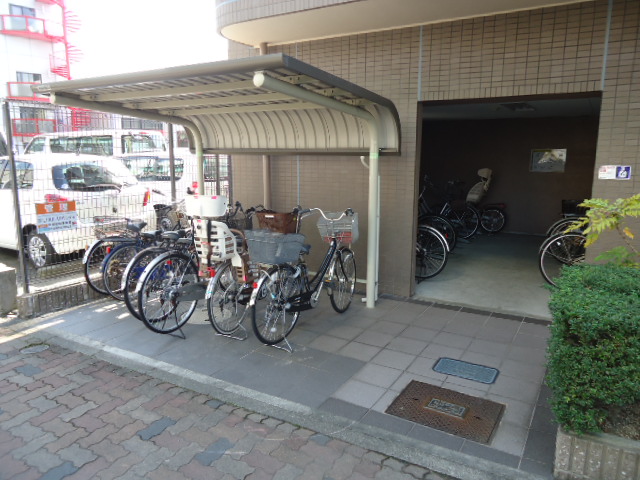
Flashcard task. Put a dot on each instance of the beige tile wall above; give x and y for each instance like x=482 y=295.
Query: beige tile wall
x=546 y=51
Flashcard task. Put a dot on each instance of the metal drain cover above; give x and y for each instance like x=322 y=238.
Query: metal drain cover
x=452 y=412
x=35 y=348
x=470 y=371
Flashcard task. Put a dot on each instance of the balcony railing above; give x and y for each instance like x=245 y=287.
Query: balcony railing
x=29 y=127
x=22 y=91
x=24 y=26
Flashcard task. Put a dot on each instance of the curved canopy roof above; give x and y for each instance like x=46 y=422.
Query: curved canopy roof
x=264 y=104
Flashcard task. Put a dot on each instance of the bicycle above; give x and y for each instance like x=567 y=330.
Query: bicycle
x=111 y=233
x=432 y=252
x=464 y=217
x=179 y=239
x=171 y=217
x=169 y=287
x=558 y=251
x=492 y=216
x=286 y=287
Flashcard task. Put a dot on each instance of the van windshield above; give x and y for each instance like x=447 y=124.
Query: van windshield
x=151 y=168
x=92 y=176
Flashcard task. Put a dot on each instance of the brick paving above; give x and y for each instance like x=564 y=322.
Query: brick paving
x=64 y=414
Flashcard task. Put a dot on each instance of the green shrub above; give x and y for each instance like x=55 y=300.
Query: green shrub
x=594 y=350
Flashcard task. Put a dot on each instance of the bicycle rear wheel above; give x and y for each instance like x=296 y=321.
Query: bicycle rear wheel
x=465 y=219
x=431 y=252
x=227 y=300
x=343 y=280
x=132 y=274
x=115 y=267
x=563 y=249
x=160 y=289
x=561 y=226
x=492 y=219
x=94 y=259
x=444 y=226
x=271 y=320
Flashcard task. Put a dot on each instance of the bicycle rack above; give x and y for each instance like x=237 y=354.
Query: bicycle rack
x=239 y=333
x=288 y=348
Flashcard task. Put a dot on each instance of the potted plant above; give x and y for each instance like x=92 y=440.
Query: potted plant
x=594 y=354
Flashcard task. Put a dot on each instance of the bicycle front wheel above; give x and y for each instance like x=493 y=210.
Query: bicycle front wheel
x=431 y=252
x=271 y=320
x=160 y=291
x=563 y=249
x=465 y=220
x=132 y=274
x=492 y=219
x=114 y=269
x=227 y=300
x=343 y=280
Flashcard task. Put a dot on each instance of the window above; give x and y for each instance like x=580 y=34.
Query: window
x=149 y=169
x=24 y=175
x=29 y=77
x=142 y=143
x=23 y=19
x=90 y=176
x=20 y=10
x=36 y=146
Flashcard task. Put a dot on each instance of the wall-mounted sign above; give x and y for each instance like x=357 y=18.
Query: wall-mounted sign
x=56 y=216
x=548 y=159
x=614 y=172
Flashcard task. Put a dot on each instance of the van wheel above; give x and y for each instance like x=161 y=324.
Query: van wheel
x=39 y=250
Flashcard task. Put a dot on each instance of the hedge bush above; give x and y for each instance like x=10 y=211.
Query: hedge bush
x=594 y=349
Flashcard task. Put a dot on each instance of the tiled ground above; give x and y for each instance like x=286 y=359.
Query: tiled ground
x=355 y=364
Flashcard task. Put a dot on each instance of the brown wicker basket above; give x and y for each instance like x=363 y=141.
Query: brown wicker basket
x=277 y=222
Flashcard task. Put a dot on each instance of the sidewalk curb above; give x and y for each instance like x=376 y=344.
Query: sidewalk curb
x=430 y=456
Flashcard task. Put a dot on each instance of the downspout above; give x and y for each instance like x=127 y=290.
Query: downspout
x=266 y=159
x=605 y=53
x=102 y=107
x=261 y=80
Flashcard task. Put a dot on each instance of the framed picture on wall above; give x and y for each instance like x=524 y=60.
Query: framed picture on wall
x=548 y=160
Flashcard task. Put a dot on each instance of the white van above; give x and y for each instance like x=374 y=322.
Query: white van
x=110 y=143
x=61 y=199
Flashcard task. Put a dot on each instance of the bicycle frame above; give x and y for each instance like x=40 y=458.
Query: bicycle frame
x=310 y=296
x=312 y=288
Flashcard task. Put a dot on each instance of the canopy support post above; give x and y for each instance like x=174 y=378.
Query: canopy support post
x=264 y=81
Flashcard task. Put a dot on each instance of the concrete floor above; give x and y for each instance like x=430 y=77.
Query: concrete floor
x=497 y=273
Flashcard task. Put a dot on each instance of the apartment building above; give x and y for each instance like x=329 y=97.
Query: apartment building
x=497 y=84
x=34 y=49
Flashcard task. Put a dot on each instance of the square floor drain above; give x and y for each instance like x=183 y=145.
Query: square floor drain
x=470 y=371
x=446 y=410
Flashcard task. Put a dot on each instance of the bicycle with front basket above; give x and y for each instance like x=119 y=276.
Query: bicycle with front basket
x=286 y=288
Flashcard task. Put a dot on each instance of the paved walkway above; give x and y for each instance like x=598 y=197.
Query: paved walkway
x=336 y=385
x=64 y=414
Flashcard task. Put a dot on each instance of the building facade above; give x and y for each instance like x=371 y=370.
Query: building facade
x=474 y=89
x=34 y=49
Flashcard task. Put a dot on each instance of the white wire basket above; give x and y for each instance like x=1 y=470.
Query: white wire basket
x=345 y=230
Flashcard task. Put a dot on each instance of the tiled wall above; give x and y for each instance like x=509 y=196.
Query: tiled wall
x=546 y=51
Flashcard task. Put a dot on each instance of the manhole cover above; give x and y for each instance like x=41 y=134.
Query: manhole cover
x=35 y=348
x=452 y=412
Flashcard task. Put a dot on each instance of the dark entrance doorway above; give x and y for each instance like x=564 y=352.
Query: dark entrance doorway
x=506 y=135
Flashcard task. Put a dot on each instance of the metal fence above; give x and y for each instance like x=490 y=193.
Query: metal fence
x=76 y=172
